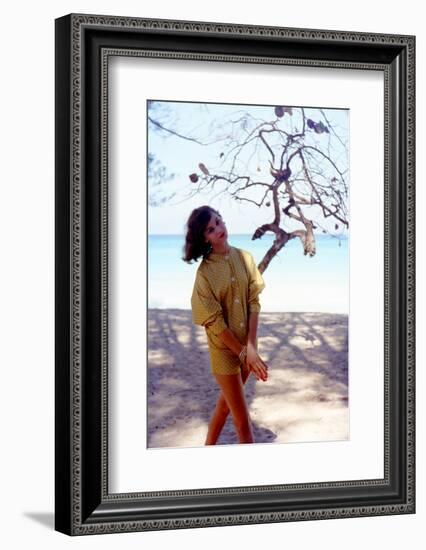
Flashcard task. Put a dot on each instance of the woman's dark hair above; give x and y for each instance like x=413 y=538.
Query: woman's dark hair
x=195 y=244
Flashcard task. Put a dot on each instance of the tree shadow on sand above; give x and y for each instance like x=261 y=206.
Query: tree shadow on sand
x=305 y=398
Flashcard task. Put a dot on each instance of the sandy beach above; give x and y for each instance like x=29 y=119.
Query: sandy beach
x=305 y=398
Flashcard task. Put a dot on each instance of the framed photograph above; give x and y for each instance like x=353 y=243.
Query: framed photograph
x=235 y=213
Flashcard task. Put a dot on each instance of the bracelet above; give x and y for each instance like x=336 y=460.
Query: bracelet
x=243 y=354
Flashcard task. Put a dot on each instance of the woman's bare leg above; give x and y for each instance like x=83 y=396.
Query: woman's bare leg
x=220 y=414
x=232 y=399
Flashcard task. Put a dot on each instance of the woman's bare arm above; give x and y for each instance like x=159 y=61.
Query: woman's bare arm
x=252 y=332
x=258 y=366
x=230 y=341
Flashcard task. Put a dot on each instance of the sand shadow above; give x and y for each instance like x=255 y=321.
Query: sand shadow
x=180 y=385
x=307 y=355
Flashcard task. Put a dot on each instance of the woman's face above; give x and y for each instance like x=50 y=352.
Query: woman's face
x=215 y=232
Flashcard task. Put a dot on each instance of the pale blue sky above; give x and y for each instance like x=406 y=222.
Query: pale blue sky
x=208 y=121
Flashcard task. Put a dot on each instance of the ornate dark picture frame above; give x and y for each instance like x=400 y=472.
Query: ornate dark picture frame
x=84 y=44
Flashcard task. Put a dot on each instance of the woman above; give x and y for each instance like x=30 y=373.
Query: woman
x=225 y=300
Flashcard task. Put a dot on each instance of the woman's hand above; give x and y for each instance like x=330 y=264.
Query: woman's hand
x=256 y=363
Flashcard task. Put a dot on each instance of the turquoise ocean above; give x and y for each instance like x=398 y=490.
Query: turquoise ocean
x=294 y=282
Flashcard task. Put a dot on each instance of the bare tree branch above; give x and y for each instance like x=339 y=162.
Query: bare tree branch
x=307 y=162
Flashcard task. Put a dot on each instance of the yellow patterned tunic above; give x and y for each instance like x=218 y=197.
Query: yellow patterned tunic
x=226 y=290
